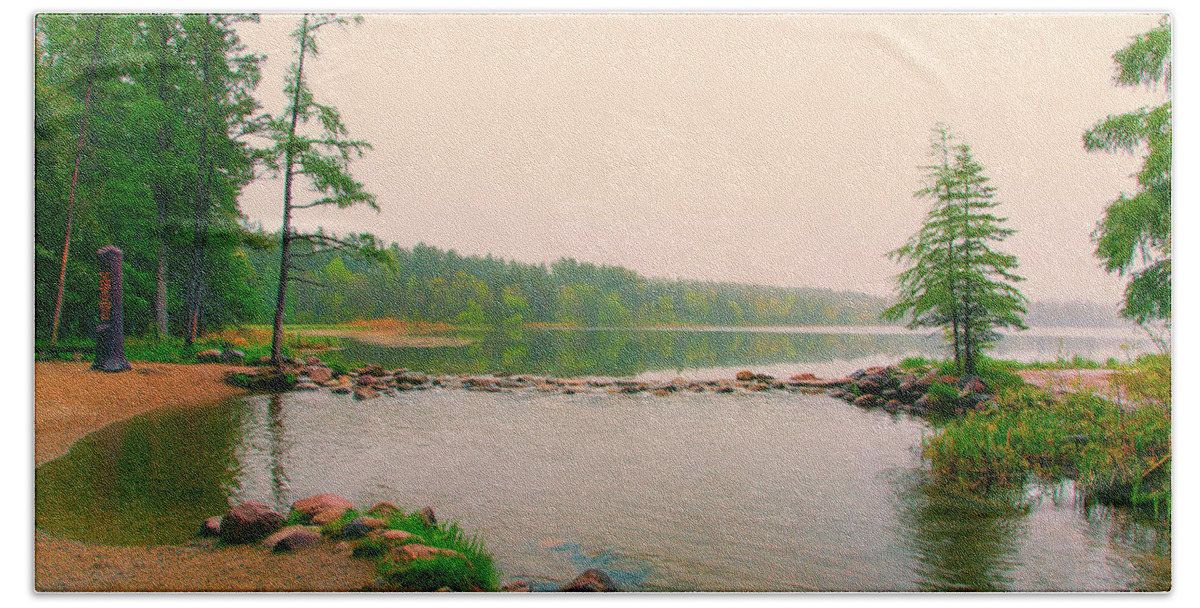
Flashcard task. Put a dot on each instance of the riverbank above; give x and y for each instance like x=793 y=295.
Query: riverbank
x=72 y=401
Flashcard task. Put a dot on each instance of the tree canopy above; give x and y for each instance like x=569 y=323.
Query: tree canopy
x=954 y=277
x=1134 y=236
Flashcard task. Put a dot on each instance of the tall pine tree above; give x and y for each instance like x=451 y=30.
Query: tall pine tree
x=955 y=279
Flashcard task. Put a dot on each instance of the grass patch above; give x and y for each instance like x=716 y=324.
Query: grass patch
x=474 y=570
x=1117 y=456
x=254 y=342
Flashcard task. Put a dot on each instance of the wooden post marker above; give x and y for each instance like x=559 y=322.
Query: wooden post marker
x=110 y=331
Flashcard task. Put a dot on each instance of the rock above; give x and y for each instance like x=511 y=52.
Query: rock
x=249 y=522
x=971 y=384
x=660 y=392
x=976 y=401
x=724 y=389
x=804 y=376
x=305 y=386
x=211 y=527
x=866 y=400
x=892 y=405
x=343 y=389
x=927 y=380
x=325 y=517
x=272 y=540
x=364 y=393
x=297 y=540
x=427 y=516
x=411 y=378
x=413 y=552
x=372 y=370
x=383 y=510
x=312 y=361
x=360 y=526
x=745 y=375
x=264 y=360
x=208 y=356
x=310 y=506
x=757 y=386
x=318 y=374
x=232 y=355
x=397 y=536
x=923 y=404
x=592 y=580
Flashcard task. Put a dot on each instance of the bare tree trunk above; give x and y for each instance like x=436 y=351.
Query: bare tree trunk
x=161 y=196
x=285 y=239
x=87 y=99
x=200 y=225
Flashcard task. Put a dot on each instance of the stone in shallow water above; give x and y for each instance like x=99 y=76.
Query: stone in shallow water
x=592 y=580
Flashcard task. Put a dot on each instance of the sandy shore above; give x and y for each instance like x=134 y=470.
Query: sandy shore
x=72 y=401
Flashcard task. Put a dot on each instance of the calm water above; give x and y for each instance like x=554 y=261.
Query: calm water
x=765 y=491
x=707 y=352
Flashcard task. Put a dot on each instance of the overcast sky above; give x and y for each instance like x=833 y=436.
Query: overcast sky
x=775 y=149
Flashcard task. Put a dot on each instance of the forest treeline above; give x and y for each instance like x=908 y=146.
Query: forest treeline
x=145 y=135
x=426 y=283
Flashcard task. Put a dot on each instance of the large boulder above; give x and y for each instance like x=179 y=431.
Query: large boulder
x=249 y=522
x=297 y=540
x=592 y=580
x=745 y=375
x=232 y=354
x=360 y=526
x=328 y=516
x=310 y=506
x=272 y=540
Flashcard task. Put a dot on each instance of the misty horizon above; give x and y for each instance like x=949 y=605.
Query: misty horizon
x=767 y=149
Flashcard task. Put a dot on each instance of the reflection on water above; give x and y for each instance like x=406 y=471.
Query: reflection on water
x=631 y=352
x=775 y=491
x=147 y=480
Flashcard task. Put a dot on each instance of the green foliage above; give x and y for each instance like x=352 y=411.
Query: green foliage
x=1134 y=236
x=996 y=374
x=433 y=285
x=954 y=279
x=943 y=398
x=430 y=575
x=1116 y=456
x=273 y=382
x=474 y=570
x=140 y=164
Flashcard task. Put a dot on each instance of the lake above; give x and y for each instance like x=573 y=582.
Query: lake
x=764 y=491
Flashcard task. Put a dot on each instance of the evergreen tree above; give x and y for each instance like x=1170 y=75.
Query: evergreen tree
x=323 y=158
x=1134 y=237
x=955 y=279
